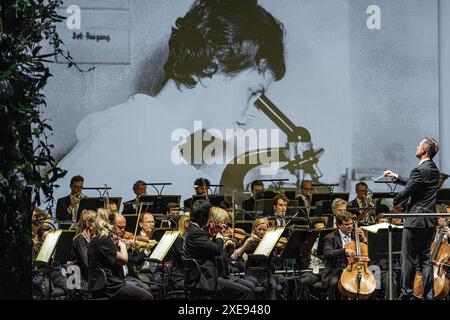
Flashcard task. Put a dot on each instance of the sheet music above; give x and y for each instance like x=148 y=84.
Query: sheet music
x=384 y=225
x=49 y=246
x=164 y=245
x=269 y=241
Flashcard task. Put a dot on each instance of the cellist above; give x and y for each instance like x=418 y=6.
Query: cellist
x=335 y=255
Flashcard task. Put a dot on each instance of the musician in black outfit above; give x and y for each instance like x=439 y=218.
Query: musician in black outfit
x=68 y=205
x=110 y=256
x=255 y=187
x=335 y=255
x=139 y=189
x=198 y=246
x=420 y=191
x=201 y=187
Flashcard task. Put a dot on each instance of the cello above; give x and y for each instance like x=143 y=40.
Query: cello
x=440 y=257
x=357 y=281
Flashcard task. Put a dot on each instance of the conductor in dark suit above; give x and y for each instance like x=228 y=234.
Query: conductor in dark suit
x=198 y=246
x=420 y=191
x=335 y=255
x=67 y=207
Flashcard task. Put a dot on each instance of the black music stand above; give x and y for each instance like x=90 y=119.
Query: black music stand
x=259 y=267
x=322 y=234
x=94 y=203
x=378 y=244
x=213 y=199
x=292 y=208
x=158 y=233
x=267 y=194
x=263 y=207
x=443 y=196
x=131 y=222
x=299 y=247
x=246 y=225
x=164 y=200
x=63 y=250
x=323 y=201
x=149 y=204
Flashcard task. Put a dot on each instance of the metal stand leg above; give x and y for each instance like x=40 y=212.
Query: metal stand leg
x=390 y=260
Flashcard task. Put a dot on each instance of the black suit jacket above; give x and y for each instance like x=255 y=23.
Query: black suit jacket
x=61 y=209
x=334 y=257
x=421 y=189
x=249 y=204
x=198 y=246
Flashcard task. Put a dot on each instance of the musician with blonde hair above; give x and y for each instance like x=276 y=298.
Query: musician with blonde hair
x=109 y=253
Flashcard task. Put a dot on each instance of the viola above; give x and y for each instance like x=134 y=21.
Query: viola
x=357 y=281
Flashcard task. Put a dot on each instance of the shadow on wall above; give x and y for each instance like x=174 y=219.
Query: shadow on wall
x=151 y=76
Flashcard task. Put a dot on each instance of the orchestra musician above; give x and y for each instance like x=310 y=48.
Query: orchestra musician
x=85 y=232
x=67 y=207
x=335 y=255
x=305 y=196
x=255 y=187
x=109 y=253
x=201 y=187
x=173 y=210
x=337 y=206
x=315 y=266
x=198 y=246
x=176 y=253
x=280 y=202
x=420 y=191
x=139 y=189
x=362 y=200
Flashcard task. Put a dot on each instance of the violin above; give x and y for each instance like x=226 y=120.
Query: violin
x=236 y=233
x=357 y=281
x=281 y=243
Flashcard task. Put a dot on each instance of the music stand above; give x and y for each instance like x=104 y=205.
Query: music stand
x=149 y=204
x=131 y=222
x=94 y=203
x=63 y=250
x=247 y=226
x=443 y=196
x=213 y=199
x=290 y=194
x=322 y=234
x=263 y=207
x=164 y=200
x=326 y=199
x=292 y=208
x=378 y=244
x=158 y=233
x=299 y=244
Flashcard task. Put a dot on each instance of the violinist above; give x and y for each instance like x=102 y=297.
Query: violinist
x=260 y=227
x=199 y=246
x=217 y=222
x=132 y=270
x=420 y=192
x=335 y=255
x=201 y=187
x=67 y=207
x=362 y=200
x=280 y=203
x=85 y=232
x=109 y=253
x=255 y=187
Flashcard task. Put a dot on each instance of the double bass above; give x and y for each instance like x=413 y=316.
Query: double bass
x=357 y=281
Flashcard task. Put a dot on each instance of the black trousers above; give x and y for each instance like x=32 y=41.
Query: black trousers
x=307 y=280
x=131 y=291
x=415 y=255
x=333 y=290
x=231 y=290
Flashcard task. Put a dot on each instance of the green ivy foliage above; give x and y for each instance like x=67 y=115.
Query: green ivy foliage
x=27 y=168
